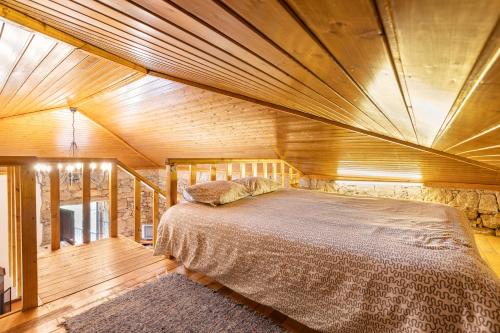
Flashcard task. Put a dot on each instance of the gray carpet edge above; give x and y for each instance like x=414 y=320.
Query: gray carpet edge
x=171 y=304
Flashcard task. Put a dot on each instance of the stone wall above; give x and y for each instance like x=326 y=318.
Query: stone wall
x=72 y=194
x=480 y=206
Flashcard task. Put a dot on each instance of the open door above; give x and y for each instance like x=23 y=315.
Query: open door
x=68 y=226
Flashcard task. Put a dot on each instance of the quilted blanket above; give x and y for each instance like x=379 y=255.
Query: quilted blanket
x=341 y=264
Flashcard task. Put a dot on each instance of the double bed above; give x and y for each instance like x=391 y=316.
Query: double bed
x=341 y=264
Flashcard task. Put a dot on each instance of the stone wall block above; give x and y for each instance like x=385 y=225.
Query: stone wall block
x=466 y=199
x=488 y=204
x=471 y=213
x=491 y=221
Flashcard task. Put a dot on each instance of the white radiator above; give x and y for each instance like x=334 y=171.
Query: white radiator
x=147 y=231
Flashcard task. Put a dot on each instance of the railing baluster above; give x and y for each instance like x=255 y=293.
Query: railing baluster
x=229 y=174
x=55 y=218
x=193 y=177
x=86 y=203
x=156 y=216
x=137 y=210
x=113 y=201
x=213 y=172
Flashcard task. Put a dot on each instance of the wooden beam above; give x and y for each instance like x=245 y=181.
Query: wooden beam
x=29 y=241
x=275 y=172
x=213 y=172
x=10 y=229
x=86 y=203
x=190 y=161
x=137 y=210
x=156 y=215
x=113 y=201
x=143 y=179
x=192 y=178
x=18 y=226
x=17 y=160
x=282 y=173
x=171 y=183
x=463 y=186
x=229 y=172
x=55 y=216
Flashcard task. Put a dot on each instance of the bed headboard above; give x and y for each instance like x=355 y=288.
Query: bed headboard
x=279 y=170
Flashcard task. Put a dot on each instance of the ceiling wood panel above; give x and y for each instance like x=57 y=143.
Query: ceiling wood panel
x=39 y=73
x=480 y=112
x=49 y=134
x=352 y=33
x=438 y=43
x=138 y=37
x=188 y=122
x=389 y=67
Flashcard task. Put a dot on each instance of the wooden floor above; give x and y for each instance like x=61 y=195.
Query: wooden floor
x=74 y=279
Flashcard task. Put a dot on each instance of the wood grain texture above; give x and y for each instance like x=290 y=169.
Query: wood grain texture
x=49 y=135
x=28 y=237
x=137 y=210
x=156 y=215
x=113 y=201
x=194 y=123
x=391 y=67
x=86 y=201
x=386 y=73
x=55 y=216
x=40 y=73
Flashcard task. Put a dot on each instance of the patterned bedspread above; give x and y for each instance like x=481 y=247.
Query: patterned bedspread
x=341 y=264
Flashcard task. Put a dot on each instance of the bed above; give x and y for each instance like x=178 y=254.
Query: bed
x=341 y=264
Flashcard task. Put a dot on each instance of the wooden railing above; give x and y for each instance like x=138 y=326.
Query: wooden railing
x=113 y=197
x=276 y=169
x=22 y=246
x=21 y=177
x=21 y=194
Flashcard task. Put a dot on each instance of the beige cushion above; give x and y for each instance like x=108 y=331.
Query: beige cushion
x=258 y=185
x=215 y=193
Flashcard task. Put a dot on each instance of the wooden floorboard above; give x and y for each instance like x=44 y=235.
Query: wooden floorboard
x=74 y=279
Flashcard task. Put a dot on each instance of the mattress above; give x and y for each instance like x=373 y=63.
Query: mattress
x=341 y=264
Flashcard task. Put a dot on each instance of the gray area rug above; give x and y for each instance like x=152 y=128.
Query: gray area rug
x=172 y=304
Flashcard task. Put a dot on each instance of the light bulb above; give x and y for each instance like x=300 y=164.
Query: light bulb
x=59 y=166
x=93 y=166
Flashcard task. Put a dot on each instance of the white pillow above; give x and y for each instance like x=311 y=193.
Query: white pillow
x=258 y=185
x=215 y=192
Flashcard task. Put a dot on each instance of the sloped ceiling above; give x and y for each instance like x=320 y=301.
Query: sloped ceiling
x=389 y=68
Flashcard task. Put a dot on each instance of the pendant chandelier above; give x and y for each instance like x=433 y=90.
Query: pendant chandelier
x=71 y=172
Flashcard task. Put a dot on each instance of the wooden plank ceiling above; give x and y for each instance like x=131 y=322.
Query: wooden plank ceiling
x=423 y=72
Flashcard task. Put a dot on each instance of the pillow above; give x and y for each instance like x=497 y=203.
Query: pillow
x=215 y=192
x=258 y=185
